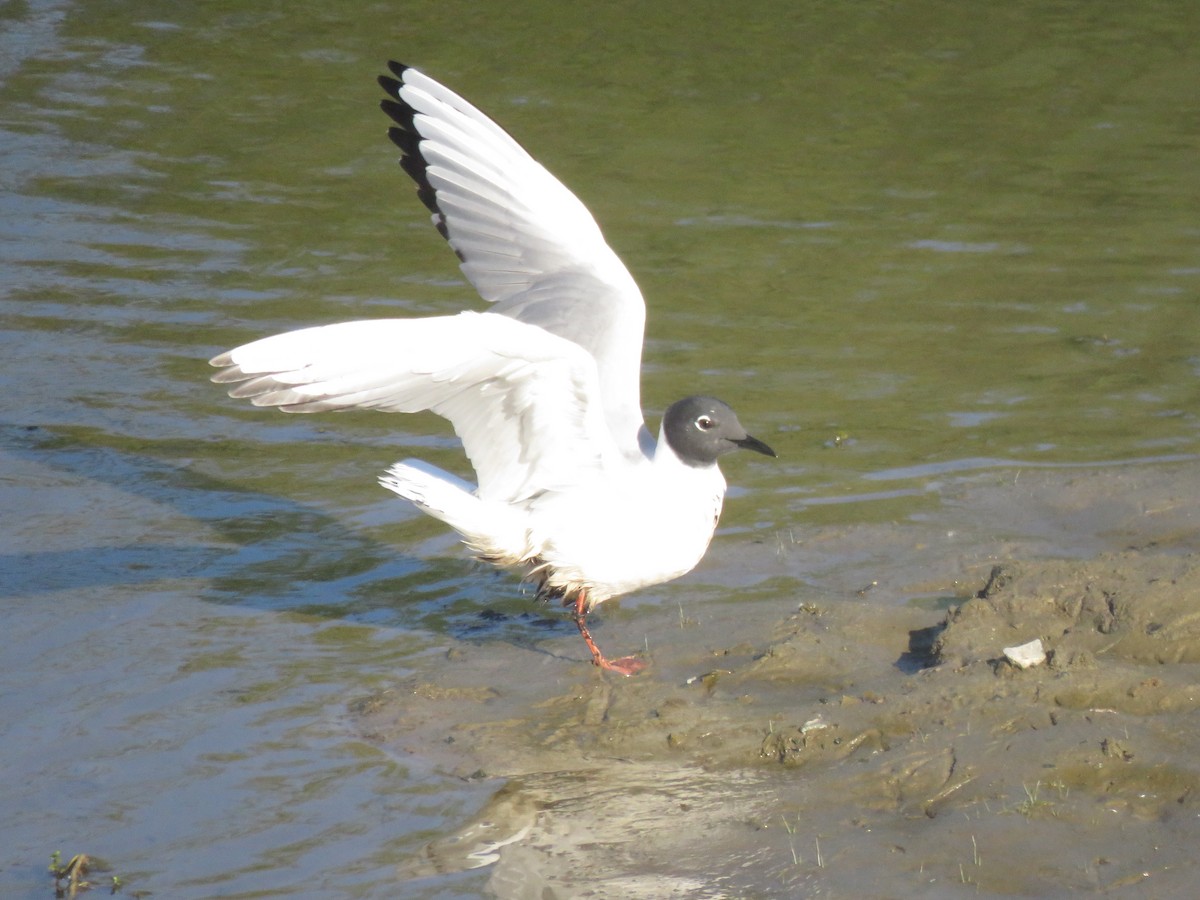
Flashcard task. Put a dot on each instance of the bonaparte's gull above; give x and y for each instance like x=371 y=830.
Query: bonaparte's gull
x=542 y=389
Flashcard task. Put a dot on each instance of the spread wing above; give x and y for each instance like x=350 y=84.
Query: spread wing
x=526 y=243
x=522 y=400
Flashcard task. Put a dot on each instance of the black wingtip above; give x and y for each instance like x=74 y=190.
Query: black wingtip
x=399 y=112
x=407 y=141
x=390 y=85
x=405 y=136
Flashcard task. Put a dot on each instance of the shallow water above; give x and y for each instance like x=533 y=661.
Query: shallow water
x=914 y=246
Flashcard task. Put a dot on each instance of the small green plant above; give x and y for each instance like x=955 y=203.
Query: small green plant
x=1030 y=803
x=70 y=880
x=1035 y=802
x=791 y=830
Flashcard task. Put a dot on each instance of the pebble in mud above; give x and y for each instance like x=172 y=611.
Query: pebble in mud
x=1027 y=655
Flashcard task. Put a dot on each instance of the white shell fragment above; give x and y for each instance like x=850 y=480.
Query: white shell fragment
x=1026 y=655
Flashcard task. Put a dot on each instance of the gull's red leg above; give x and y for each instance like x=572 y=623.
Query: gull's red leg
x=626 y=665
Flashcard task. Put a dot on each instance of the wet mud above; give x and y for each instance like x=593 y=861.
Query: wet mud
x=851 y=746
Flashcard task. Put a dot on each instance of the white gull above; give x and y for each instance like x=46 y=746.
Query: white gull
x=542 y=389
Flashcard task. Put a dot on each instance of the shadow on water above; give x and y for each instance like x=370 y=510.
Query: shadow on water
x=269 y=553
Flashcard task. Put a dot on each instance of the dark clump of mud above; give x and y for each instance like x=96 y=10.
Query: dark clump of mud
x=853 y=749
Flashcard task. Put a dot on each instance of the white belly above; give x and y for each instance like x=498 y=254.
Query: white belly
x=610 y=543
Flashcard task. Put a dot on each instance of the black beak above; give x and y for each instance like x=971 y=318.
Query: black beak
x=753 y=443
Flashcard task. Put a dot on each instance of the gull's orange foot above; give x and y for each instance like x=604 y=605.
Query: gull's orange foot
x=626 y=665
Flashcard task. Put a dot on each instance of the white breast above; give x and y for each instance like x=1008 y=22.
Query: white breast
x=630 y=533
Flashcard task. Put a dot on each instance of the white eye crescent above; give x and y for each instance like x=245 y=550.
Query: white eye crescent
x=704 y=423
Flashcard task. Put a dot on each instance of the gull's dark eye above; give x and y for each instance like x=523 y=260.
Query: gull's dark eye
x=704 y=423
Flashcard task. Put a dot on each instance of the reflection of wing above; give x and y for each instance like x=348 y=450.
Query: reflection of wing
x=526 y=242
x=521 y=399
x=505 y=819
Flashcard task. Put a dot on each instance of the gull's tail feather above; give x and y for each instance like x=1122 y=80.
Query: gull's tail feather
x=494 y=531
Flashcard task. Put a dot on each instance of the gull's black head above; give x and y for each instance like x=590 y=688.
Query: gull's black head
x=700 y=429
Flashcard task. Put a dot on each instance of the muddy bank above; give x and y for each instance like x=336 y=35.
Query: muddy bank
x=850 y=747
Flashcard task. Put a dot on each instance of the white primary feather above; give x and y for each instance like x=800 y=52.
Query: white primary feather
x=530 y=246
